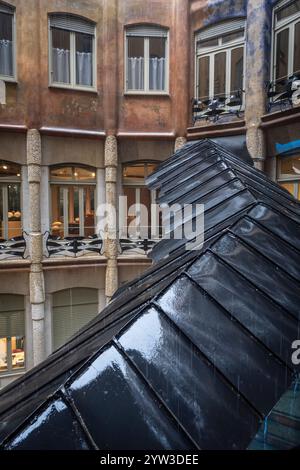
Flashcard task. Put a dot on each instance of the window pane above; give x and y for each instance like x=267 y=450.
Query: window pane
x=136 y=172
x=232 y=37
x=18 y=352
x=203 y=74
x=297 y=48
x=14 y=210
x=208 y=43
x=282 y=54
x=289 y=187
x=89 y=211
x=290 y=166
x=220 y=74
x=1 y=214
x=3 y=354
x=84 y=59
x=157 y=65
x=237 y=64
x=73 y=174
x=289 y=10
x=60 y=56
x=74 y=220
x=9 y=169
x=146 y=214
x=6 y=44
x=135 y=63
x=57 y=204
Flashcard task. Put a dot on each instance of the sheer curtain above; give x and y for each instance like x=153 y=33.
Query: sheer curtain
x=84 y=68
x=61 y=65
x=6 y=57
x=157 y=73
x=136 y=73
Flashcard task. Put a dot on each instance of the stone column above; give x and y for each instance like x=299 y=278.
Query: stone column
x=179 y=142
x=36 y=280
x=257 y=60
x=111 y=241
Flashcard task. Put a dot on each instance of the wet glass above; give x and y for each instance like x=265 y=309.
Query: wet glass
x=203 y=78
x=84 y=59
x=282 y=54
x=237 y=69
x=220 y=74
x=61 y=55
x=135 y=63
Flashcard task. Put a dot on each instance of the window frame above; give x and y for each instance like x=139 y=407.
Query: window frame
x=211 y=52
x=12 y=78
x=277 y=27
x=80 y=184
x=146 y=90
x=4 y=183
x=72 y=85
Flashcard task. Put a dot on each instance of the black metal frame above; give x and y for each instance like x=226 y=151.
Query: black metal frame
x=14 y=247
x=74 y=246
x=282 y=92
x=212 y=109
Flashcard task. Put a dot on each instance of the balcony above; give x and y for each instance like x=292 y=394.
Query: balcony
x=284 y=93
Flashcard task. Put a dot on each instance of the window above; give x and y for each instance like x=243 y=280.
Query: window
x=139 y=224
x=72 y=52
x=72 y=309
x=73 y=201
x=220 y=60
x=289 y=174
x=7 y=42
x=10 y=200
x=146 y=59
x=12 y=333
x=287 y=39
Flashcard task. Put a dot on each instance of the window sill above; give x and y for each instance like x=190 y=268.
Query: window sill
x=147 y=93
x=74 y=88
x=8 y=79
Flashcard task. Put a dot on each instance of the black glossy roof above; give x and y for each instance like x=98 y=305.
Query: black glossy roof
x=195 y=352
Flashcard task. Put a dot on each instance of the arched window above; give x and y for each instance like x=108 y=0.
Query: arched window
x=12 y=333
x=10 y=200
x=146 y=59
x=7 y=42
x=288 y=169
x=72 y=309
x=220 y=60
x=72 y=51
x=137 y=224
x=73 y=200
x=286 y=47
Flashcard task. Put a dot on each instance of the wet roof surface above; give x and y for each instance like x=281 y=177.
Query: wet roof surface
x=200 y=340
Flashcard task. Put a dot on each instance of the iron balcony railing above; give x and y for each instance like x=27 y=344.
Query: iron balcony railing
x=13 y=248
x=284 y=93
x=217 y=107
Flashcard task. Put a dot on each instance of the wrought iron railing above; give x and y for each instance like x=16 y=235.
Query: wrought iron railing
x=136 y=246
x=284 y=93
x=13 y=248
x=72 y=246
x=213 y=109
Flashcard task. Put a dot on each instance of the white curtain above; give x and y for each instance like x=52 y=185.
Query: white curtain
x=157 y=73
x=61 y=65
x=84 y=68
x=135 y=73
x=6 y=57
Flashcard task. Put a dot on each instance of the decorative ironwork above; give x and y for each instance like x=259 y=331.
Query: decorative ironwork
x=212 y=109
x=138 y=246
x=284 y=93
x=72 y=246
x=13 y=248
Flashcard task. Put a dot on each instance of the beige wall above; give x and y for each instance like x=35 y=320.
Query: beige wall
x=13 y=147
x=72 y=150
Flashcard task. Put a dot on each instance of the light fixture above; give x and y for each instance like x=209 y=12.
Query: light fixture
x=93 y=175
x=18 y=174
x=4 y=167
x=75 y=174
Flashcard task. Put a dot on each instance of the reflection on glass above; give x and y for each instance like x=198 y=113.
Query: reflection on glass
x=282 y=53
x=232 y=37
x=220 y=73
x=135 y=63
x=203 y=75
x=12 y=327
x=10 y=200
x=17 y=352
x=73 y=174
x=3 y=354
x=208 y=43
x=84 y=59
x=157 y=64
x=60 y=55
x=138 y=171
x=290 y=166
x=6 y=44
x=289 y=10
x=237 y=66
x=297 y=48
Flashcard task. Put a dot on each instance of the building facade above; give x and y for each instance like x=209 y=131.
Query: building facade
x=94 y=94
